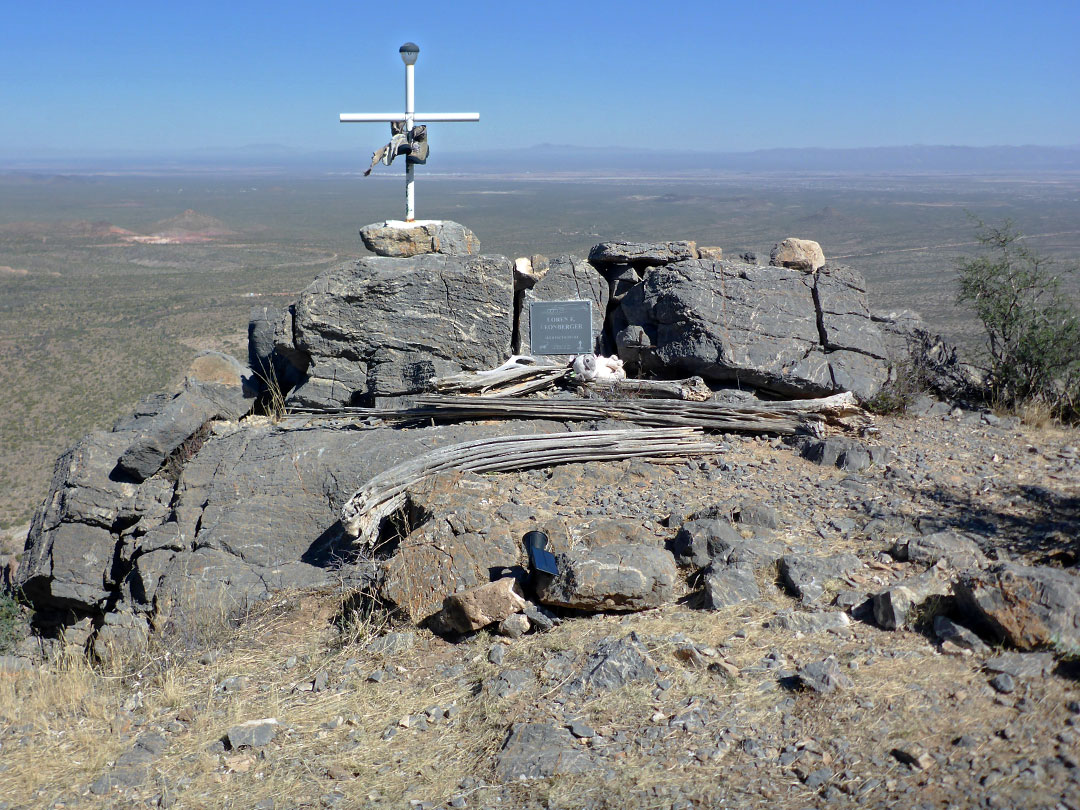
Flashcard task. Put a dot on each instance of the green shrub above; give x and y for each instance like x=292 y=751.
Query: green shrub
x=12 y=623
x=1032 y=328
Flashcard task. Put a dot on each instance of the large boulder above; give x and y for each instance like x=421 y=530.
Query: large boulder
x=386 y=327
x=400 y=240
x=790 y=332
x=568 y=278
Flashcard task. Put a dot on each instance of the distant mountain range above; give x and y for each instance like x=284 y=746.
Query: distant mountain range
x=547 y=159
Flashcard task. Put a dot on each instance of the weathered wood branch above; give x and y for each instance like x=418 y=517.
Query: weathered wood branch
x=363 y=513
x=692 y=389
x=519 y=375
x=780 y=417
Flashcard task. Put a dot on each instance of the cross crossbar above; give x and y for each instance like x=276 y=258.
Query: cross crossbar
x=367 y=118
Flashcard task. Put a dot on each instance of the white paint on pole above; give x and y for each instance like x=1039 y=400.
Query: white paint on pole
x=410 y=108
x=410 y=117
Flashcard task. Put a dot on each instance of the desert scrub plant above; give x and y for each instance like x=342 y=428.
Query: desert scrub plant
x=13 y=624
x=1032 y=327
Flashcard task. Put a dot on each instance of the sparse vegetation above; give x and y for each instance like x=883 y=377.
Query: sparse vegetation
x=1032 y=327
x=13 y=625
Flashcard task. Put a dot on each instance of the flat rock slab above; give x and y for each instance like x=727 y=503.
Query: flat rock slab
x=540 y=751
x=724 y=586
x=823 y=677
x=253 y=733
x=955 y=638
x=611 y=664
x=807 y=623
x=400 y=240
x=948 y=548
x=195 y=405
x=1022 y=665
x=642 y=254
x=843 y=453
x=806 y=577
x=1028 y=606
x=615 y=577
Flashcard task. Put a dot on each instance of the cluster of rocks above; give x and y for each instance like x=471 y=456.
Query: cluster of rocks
x=430 y=304
x=192 y=502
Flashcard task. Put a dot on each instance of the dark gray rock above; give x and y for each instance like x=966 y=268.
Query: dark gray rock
x=1003 y=682
x=756 y=513
x=823 y=677
x=726 y=585
x=614 y=577
x=509 y=683
x=1028 y=606
x=621 y=279
x=71 y=545
x=161 y=435
x=386 y=327
x=130 y=777
x=642 y=254
x=272 y=354
x=398 y=239
x=949 y=548
x=806 y=577
x=540 y=617
x=253 y=733
x=728 y=321
x=842 y=452
x=540 y=751
x=698 y=541
x=568 y=279
x=897 y=606
x=929 y=361
x=391 y=643
x=958 y=636
x=611 y=664
x=1021 y=665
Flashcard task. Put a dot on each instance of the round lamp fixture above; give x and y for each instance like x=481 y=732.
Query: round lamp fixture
x=409 y=51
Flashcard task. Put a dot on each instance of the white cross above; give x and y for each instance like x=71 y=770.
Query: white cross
x=408 y=52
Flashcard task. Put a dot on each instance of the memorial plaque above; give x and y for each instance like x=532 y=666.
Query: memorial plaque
x=560 y=327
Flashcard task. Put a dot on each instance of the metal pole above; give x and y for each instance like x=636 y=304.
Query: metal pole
x=410 y=200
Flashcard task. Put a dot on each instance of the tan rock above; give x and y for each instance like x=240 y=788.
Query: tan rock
x=514 y=626
x=528 y=271
x=478 y=607
x=797 y=254
x=400 y=240
x=217 y=367
x=712 y=253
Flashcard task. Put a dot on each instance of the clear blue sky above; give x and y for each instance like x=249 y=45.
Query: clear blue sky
x=169 y=76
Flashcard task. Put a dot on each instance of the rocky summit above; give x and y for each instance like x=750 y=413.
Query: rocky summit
x=818 y=610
